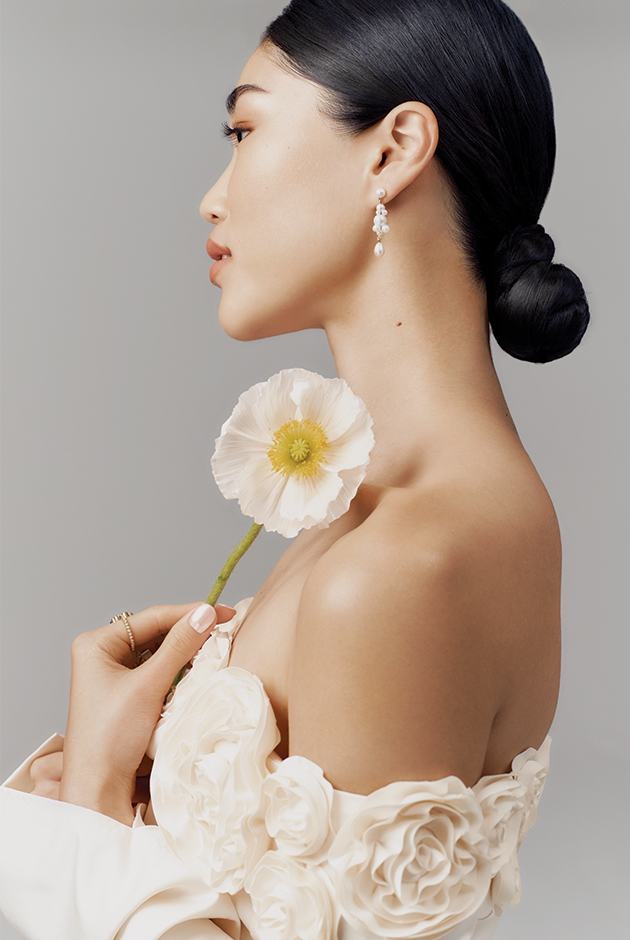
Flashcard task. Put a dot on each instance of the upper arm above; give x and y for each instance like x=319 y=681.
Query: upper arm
x=394 y=674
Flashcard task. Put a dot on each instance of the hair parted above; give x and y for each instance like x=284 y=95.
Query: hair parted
x=475 y=65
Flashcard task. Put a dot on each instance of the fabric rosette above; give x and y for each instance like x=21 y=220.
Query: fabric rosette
x=294 y=451
x=286 y=900
x=299 y=802
x=508 y=803
x=502 y=801
x=412 y=860
x=531 y=768
x=208 y=775
x=212 y=656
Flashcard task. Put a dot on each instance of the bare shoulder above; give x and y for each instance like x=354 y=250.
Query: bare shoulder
x=421 y=635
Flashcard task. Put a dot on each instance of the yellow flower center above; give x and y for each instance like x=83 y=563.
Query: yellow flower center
x=299 y=447
x=299 y=450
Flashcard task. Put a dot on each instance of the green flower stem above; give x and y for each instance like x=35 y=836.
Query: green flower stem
x=220 y=583
x=230 y=564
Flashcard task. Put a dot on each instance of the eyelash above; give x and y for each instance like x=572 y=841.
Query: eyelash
x=233 y=132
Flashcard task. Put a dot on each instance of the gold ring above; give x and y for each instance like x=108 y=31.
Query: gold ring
x=123 y=617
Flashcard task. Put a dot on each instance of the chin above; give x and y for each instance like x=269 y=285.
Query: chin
x=246 y=322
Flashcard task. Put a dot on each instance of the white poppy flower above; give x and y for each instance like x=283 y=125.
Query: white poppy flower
x=294 y=451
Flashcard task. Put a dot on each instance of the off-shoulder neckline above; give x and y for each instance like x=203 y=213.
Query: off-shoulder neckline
x=230 y=634
x=510 y=773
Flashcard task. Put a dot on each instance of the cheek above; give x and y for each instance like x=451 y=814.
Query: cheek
x=296 y=229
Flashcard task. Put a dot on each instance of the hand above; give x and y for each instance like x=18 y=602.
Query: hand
x=114 y=708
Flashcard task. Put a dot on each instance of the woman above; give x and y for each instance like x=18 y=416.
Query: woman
x=413 y=646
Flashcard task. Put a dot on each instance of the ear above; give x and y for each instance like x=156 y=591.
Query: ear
x=403 y=145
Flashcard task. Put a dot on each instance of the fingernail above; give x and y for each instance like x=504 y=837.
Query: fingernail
x=202 y=617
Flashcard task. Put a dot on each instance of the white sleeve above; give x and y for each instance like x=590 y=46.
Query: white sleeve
x=67 y=871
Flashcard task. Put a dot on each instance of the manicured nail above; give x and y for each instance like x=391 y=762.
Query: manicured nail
x=202 y=617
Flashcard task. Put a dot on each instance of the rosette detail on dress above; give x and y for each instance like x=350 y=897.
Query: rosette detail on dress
x=286 y=900
x=413 y=859
x=303 y=861
x=212 y=656
x=207 y=777
x=298 y=813
x=508 y=803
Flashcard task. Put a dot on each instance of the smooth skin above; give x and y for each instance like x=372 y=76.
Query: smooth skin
x=419 y=635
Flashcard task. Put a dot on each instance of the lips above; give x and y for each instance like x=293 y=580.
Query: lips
x=219 y=255
x=217 y=252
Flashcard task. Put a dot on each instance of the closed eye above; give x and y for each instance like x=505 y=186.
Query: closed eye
x=234 y=132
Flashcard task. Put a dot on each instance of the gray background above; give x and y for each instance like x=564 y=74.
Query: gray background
x=118 y=377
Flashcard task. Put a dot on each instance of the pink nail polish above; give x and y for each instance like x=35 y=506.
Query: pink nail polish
x=202 y=617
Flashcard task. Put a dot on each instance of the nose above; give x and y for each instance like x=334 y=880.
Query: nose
x=213 y=206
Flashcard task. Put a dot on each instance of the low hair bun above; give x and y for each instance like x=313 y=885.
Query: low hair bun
x=538 y=310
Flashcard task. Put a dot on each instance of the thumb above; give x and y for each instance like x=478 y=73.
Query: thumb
x=183 y=640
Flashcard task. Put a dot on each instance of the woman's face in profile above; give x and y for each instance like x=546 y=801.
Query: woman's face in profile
x=286 y=208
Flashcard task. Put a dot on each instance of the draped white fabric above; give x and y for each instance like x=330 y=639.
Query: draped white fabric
x=245 y=839
x=68 y=872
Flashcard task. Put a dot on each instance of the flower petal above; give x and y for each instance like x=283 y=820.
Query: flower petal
x=280 y=495
x=260 y=491
x=309 y=496
x=329 y=401
x=230 y=461
x=352 y=448
x=275 y=405
x=350 y=479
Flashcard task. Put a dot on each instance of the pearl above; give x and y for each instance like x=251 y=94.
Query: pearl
x=386 y=228
x=379 y=195
x=378 y=249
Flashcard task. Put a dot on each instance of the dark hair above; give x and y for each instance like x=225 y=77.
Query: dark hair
x=475 y=65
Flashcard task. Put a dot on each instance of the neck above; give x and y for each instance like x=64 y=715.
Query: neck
x=412 y=342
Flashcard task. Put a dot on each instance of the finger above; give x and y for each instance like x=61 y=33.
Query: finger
x=155 y=622
x=184 y=639
x=149 y=627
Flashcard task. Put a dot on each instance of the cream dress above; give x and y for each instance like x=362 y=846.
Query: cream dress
x=238 y=842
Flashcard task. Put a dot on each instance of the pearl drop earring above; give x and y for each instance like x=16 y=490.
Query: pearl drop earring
x=380 y=223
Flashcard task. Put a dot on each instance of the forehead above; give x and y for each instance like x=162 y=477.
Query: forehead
x=265 y=84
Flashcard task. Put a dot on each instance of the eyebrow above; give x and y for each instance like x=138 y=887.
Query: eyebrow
x=232 y=98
